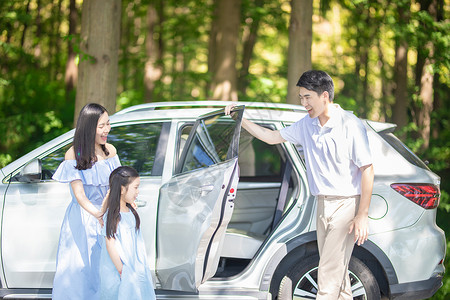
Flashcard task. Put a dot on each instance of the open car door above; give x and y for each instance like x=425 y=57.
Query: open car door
x=196 y=205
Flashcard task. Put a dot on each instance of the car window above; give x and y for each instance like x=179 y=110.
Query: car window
x=210 y=144
x=183 y=134
x=258 y=161
x=402 y=149
x=51 y=162
x=137 y=146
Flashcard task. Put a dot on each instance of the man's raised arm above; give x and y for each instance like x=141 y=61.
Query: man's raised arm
x=266 y=135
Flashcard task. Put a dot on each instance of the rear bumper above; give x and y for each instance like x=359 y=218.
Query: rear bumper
x=416 y=290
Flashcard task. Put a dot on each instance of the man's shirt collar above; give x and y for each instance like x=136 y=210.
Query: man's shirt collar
x=333 y=110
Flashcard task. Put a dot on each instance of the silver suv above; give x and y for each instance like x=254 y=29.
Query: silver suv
x=226 y=216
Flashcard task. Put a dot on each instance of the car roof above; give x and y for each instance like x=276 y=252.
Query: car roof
x=254 y=110
x=208 y=104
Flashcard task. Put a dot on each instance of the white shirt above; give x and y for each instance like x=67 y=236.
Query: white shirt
x=333 y=152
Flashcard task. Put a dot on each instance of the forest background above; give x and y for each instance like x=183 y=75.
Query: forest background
x=389 y=60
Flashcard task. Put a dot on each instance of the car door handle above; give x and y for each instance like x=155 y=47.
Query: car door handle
x=206 y=189
x=140 y=203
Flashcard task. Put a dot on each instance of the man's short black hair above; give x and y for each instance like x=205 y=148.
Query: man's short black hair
x=317 y=81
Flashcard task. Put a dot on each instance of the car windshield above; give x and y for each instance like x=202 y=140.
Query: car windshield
x=402 y=149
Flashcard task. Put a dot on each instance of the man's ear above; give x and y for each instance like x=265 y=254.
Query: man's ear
x=326 y=95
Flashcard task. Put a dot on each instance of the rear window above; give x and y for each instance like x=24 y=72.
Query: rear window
x=402 y=149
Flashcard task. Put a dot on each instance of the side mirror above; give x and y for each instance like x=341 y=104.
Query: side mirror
x=31 y=172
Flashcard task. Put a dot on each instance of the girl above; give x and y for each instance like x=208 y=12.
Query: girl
x=86 y=167
x=124 y=271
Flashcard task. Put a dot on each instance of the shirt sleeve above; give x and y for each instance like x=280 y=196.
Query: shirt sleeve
x=116 y=162
x=67 y=172
x=293 y=133
x=359 y=146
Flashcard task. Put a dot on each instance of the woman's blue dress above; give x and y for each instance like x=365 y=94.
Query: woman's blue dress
x=78 y=257
x=136 y=280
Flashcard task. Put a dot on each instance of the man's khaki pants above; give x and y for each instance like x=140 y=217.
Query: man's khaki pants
x=334 y=217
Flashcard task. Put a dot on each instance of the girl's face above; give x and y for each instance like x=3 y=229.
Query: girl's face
x=103 y=128
x=130 y=193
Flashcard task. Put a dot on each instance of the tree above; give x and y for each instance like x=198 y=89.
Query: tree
x=400 y=112
x=249 y=41
x=154 y=48
x=300 y=42
x=98 y=68
x=424 y=77
x=224 y=83
x=71 y=74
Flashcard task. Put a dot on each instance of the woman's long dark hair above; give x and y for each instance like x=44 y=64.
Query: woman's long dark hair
x=120 y=177
x=84 y=139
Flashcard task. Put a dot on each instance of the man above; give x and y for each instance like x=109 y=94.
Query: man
x=340 y=175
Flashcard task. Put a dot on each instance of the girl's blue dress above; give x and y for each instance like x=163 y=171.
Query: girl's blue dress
x=78 y=257
x=136 y=280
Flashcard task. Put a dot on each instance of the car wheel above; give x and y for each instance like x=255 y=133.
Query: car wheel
x=300 y=281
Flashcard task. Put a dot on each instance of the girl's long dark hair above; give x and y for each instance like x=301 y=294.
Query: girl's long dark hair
x=120 y=177
x=84 y=139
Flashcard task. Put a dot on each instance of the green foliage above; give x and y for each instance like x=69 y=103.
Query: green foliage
x=32 y=111
x=128 y=98
x=33 y=102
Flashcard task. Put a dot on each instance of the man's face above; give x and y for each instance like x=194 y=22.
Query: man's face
x=314 y=103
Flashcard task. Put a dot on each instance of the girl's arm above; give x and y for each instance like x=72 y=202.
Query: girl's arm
x=78 y=191
x=110 y=246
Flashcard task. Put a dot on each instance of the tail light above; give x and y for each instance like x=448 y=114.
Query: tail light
x=423 y=194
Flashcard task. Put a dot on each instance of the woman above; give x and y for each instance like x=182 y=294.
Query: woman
x=87 y=166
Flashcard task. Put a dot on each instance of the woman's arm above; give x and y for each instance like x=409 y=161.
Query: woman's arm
x=104 y=203
x=110 y=246
x=78 y=191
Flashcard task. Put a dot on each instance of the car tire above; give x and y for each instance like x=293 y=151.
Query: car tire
x=300 y=281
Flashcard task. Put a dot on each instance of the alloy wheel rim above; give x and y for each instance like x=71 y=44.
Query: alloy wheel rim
x=306 y=287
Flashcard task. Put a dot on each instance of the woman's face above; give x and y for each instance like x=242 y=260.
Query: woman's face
x=103 y=128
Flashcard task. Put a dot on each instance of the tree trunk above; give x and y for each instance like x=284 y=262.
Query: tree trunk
x=125 y=43
x=400 y=107
x=438 y=103
x=300 y=41
x=71 y=74
x=364 y=110
x=212 y=45
x=426 y=96
x=249 y=44
x=153 y=68
x=224 y=83
x=425 y=74
x=98 y=68
x=54 y=44
x=37 y=41
x=25 y=26
x=383 y=106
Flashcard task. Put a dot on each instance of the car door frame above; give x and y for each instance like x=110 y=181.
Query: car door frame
x=203 y=268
